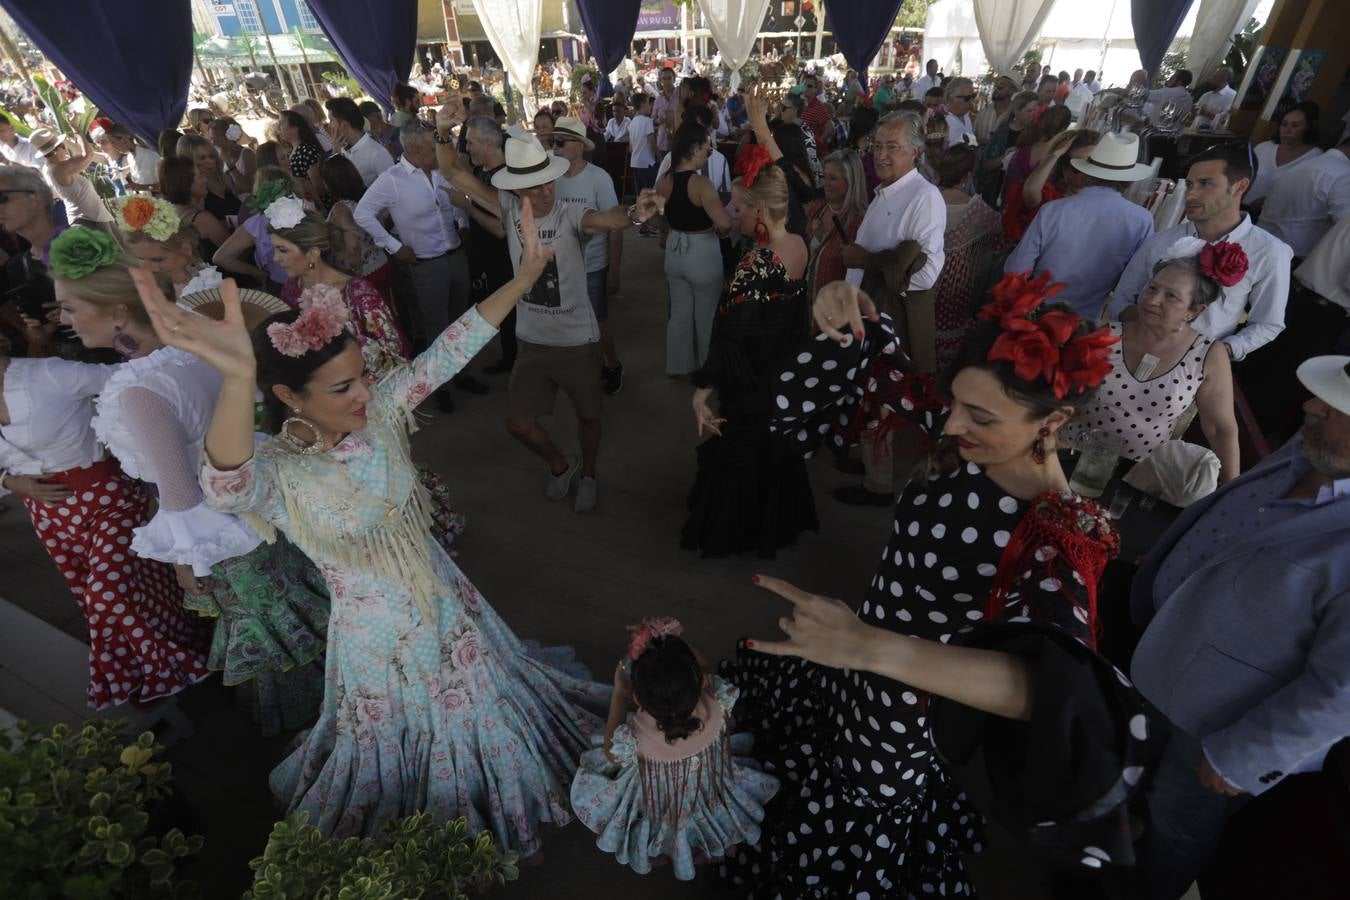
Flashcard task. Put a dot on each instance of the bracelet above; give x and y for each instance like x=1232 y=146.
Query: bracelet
x=438 y=138
x=632 y=215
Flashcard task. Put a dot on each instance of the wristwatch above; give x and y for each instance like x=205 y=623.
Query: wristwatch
x=442 y=139
x=632 y=215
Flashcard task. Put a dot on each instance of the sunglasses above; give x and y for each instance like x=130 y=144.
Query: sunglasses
x=4 y=195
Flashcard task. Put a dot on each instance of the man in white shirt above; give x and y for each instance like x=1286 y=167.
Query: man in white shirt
x=428 y=244
x=1090 y=79
x=642 y=143
x=347 y=127
x=959 y=98
x=616 y=129
x=663 y=109
x=1219 y=98
x=1177 y=90
x=16 y=149
x=1308 y=200
x=906 y=208
x=1216 y=181
x=1077 y=79
x=929 y=81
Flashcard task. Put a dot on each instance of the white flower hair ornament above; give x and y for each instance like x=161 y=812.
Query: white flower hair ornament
x=234 y=132
x=284 y=212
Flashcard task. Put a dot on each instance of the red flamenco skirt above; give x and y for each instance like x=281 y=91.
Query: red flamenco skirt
x=142 y=644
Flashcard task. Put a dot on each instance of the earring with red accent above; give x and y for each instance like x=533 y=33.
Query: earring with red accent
x=1038 y=453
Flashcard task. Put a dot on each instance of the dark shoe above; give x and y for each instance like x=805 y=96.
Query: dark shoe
x=500 y=367
x=470 y=384
x=857 y=495
x=848 y=465
x=444 y=402
x=611 y=379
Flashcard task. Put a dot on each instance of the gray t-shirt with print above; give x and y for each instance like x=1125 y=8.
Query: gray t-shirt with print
x=557 y=311
x=591 y=188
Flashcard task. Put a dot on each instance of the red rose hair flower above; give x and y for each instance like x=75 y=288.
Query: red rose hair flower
x=1224 y=262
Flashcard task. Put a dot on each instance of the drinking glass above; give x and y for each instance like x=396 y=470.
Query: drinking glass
x=1099 y=454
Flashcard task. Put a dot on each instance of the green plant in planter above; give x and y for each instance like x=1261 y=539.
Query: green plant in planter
x=411 y=858
x=75 y=815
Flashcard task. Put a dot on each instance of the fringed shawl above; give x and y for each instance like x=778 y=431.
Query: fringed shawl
x=677 y=777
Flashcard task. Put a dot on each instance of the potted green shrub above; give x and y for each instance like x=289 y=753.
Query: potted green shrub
x=412 y=857
x=75 y=815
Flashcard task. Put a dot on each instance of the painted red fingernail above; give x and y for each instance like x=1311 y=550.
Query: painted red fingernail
x=750 y=644
x=754 y=579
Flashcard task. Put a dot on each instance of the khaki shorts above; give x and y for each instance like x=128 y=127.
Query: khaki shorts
x=540 y=371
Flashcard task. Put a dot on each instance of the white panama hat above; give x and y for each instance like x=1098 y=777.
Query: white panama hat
x=1328 y=377
x=528 y=165
x=1115 y=158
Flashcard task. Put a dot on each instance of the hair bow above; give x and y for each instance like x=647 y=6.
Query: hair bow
x=644 y=632
x=750 y=159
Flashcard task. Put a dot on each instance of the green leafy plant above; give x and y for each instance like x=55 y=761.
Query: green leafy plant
x=346 y=82
x=411 y=858
x=579 y=73
x=75 y=815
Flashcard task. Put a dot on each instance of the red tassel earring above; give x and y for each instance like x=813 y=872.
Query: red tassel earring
x=1038 y=454
x=761 y=233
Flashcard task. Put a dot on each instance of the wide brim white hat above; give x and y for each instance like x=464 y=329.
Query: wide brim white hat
x=44 y=140
x=528 y=165
x=1328 y=377
x=1115 y=158
x=572 y=125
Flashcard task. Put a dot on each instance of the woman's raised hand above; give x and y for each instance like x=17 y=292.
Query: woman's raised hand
x=820 y=629
x=224 y=345
x=704 y=417
x=534 y=255
x=840 y=307
x=757 y=104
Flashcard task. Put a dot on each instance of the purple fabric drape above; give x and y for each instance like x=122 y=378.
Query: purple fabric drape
x=860 y=29
x=133 y=63
x=609 y=27
x=1155 y=25
x=377 y=41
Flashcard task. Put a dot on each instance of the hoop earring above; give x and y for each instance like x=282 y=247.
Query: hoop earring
x=1038 y=452
x=125 y=345
x=296 y=444
x=761 y=232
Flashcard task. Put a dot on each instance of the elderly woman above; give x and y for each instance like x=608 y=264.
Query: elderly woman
x=1162 y=365
x=219 y=200
x=843 y=204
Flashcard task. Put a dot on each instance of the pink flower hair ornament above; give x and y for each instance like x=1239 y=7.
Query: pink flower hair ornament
x=323 y=316
x=648 y=630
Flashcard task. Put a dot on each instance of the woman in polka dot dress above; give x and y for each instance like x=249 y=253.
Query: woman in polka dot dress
x=142 y=644
x=987 y=530
x=268 y=601
x=1163 y=364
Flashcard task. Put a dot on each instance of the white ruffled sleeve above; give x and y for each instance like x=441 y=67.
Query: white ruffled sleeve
x=185 y=530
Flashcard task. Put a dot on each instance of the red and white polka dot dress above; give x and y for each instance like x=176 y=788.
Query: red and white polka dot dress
x=142 y=644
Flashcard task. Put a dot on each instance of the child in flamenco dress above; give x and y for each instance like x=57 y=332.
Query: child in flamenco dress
x=671 y=782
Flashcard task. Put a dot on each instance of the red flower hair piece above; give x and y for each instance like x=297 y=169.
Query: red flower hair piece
x=648 y=630
x=1224 y=262
x=1043 y=346
x=750 y=159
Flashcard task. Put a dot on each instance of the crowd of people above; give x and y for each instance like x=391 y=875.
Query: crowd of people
x=210 y=382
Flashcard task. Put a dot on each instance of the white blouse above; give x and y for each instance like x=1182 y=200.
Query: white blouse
x=51 y=403
x=1268 y=174
x=153 y=415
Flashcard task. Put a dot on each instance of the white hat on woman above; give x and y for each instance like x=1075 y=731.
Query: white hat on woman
x=528 y=165
x=1115 y=158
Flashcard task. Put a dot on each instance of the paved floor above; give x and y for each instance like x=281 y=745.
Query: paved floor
x=554 y=576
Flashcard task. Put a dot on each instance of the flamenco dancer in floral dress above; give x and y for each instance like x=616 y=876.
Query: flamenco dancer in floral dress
x=985 y=534
x=432 y=702
x=142 y=644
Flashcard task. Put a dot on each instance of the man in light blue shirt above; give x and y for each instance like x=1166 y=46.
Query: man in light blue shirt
x=1086 y=240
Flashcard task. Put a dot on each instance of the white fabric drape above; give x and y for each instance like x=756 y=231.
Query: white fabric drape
x=1008 y=28
x=1215 y=25
x=512 y=28
x=734 y=24
x=950 y=37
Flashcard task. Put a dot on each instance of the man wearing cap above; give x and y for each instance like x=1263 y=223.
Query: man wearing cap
x=556 y=328
x=987 y=119
x=64 y=171
x=591 y=187
x=1247 y=644
x=1085 y=240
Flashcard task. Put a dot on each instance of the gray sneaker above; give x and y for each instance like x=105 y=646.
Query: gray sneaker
x=559 y=485
x=585 y=501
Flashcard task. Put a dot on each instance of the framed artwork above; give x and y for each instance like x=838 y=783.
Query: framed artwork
x=1262 y=73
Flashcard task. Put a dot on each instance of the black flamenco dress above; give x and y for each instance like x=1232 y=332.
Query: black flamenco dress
x=751 y=492
x=868 y=809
